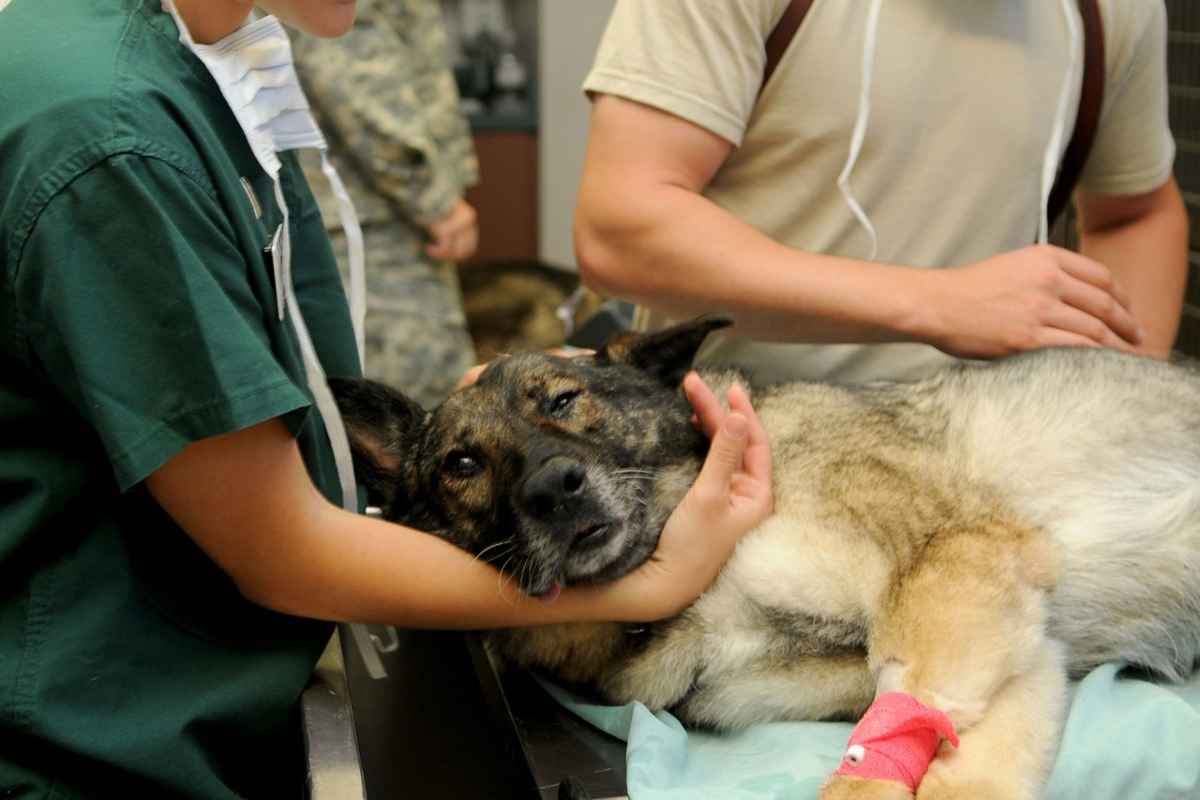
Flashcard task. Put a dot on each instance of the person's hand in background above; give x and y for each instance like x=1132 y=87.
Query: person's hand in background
x=454 y=237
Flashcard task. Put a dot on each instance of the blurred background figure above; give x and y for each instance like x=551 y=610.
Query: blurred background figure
x=385 y=96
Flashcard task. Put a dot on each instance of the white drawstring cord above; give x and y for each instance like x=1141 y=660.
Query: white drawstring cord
x=357 y=253
x=860 y=126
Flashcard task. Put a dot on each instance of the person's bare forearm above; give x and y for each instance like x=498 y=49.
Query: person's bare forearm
x=246 y=498
x=1148 y=254
x=349 y=568
x=676 y=251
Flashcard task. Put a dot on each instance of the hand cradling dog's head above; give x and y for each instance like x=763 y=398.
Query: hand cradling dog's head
x=558 y=470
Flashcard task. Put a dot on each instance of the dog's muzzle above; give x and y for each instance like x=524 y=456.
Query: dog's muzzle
x=554 y=491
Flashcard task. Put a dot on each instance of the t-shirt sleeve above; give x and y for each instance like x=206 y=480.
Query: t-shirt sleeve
x=701 y=60
x=1134 y=151
x=138 y=307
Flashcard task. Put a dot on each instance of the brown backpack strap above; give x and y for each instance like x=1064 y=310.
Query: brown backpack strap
x=781 y=37
x=1091 y=98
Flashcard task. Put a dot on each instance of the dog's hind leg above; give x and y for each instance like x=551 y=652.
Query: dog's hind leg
x=963 y=631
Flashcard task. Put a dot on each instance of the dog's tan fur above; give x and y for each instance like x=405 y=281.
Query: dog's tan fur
x=971 y=540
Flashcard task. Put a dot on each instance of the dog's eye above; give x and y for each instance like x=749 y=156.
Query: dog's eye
x=560 y=404
x=461 y=464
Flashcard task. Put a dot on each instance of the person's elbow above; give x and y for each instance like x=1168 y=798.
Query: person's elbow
x=596 y=256
x=607 y=244
x=271 y=593
x=290 y=569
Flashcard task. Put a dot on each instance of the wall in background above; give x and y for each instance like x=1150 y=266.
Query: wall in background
x=1183 y=63
x=569 y=33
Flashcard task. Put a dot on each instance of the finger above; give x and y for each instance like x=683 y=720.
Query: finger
x=448 y=228
x=1070 y=319
x=738 y=398
x=1093 y=272
x=462 y=227
x=1055 y=337
x=1118 y=291
x=709 y=412
x=448 y=225
x=470 y=244
x=1104 y=308
x=1078 y=323
x=757 y=459
x=1101 y=277
x=724 y=456
x=460 y=249
x=449 y=252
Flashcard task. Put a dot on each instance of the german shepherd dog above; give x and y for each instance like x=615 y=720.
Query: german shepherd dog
x=971 y=539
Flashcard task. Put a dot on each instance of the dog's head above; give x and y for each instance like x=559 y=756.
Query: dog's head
x=558 y=470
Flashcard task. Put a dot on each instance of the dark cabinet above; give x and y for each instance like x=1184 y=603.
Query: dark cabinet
x=506 y=197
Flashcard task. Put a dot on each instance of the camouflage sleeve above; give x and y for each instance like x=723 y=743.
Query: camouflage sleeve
x=387 y=99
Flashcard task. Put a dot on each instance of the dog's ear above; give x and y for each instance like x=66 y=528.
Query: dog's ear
x=666 y=354
x=382 y=426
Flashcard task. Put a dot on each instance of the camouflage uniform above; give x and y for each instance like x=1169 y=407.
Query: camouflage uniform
x=386 y=99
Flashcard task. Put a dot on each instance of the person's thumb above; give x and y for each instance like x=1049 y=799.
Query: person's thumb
x=725 y=454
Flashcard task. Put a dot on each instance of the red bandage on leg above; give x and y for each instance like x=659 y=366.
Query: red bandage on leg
x=895 y=740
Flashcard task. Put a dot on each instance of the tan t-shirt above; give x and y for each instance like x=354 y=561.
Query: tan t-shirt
x=963 y=94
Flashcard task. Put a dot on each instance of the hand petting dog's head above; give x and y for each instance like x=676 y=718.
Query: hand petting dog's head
x=558 y=470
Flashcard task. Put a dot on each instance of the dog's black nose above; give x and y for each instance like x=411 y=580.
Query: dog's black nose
x=554 y=487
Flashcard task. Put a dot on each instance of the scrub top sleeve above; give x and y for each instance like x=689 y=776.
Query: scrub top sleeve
x=142 y=311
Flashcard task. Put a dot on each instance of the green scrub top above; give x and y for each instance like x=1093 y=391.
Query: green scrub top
x=137 y=315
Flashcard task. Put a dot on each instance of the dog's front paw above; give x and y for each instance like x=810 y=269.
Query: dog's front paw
x=845 y=787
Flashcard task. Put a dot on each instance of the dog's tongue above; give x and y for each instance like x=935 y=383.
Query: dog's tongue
x=551 y=594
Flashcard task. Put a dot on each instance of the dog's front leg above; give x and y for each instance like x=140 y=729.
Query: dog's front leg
x=961 y=640
x=1008 y=753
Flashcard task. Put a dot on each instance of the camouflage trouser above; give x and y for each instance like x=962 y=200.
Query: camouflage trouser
x=416 y=333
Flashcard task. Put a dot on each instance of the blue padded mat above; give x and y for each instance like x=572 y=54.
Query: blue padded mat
x=1125 y=739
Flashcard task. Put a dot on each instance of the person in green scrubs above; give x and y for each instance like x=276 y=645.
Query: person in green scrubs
x=171 y=550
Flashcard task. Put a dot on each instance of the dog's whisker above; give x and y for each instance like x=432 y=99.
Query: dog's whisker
x=501 y=543
x=634 y=473
x=500 y=581
x=504 y=553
